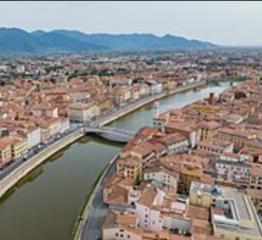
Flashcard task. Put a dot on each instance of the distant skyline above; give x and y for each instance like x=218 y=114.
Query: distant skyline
x=224 y=23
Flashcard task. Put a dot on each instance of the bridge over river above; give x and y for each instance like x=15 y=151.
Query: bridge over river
x=110 y=133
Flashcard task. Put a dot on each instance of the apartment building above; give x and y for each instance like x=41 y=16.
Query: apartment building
x=235 y=135
x=33 y=135
x=82 y=112
x=130 y=167
x=5 y=151
x=209 y=129
x=175 y=143
x=121 y=226
x=189 y=129
x=215 y=146
x=234 y=168
x=122 y=95
x=233 y=215
x=149 y=215
x=117 y=192
x=256 y=176
x=19 y=147
x=162 y=176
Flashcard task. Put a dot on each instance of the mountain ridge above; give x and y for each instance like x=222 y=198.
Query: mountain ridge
x=18 y=41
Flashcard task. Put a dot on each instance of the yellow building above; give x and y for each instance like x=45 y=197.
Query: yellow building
x=130 y=167
x=190 y=173
x=200 y=197
x=208 y=129
x=19 y=147
x=121 y=95
x=5 y=151
x=106 y=105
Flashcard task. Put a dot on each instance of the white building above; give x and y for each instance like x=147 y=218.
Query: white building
x=233 y=168
x=162 y=176
x=33 y=137
x=233 y=215
x=121 y=226
x=155 y=87
x=64 y=125
x=80 y=112
x=146 y=209
x=175 y=143
x=52 y=112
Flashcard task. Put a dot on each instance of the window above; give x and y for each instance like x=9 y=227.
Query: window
x=146 y=215
x=116 y=234
x=128 y=236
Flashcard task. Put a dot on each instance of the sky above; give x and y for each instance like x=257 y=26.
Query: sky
x=225 y=23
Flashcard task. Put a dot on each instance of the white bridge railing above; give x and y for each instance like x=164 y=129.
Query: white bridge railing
x=111 y=130
x=118 y=130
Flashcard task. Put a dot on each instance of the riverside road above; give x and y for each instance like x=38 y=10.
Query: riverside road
x=98 y=210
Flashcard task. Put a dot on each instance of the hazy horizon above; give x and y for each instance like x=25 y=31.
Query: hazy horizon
x=222 y=23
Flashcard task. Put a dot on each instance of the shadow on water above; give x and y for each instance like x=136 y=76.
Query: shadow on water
x=57 y=155
x=35 y=173
x=7 y=195
x=27 y=179
x=31 y=176
x=101 y=140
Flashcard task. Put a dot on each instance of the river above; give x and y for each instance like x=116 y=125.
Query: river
x=45 y=204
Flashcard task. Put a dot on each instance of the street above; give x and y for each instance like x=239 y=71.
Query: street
x=36 y=149
x=98 y=211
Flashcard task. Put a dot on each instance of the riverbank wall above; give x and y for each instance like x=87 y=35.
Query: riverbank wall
x=21 y=171
x=146 y=101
